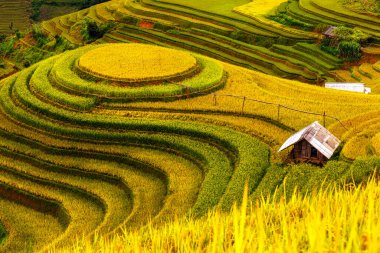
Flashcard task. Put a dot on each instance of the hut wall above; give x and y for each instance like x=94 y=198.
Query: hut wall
x=303 y=151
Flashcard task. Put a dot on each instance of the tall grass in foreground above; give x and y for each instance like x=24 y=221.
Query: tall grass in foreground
x=332 y=220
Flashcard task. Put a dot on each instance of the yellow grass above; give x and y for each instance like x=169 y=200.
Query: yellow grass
x=130 y=62
x=259 y=7
x=326 y=221
x=301 y=96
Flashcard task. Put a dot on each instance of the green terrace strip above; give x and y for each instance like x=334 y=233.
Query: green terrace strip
x=211 y=76
x=41 y=84
x=306 y=57
x=317 y=52
x=253 y=57
x=272 y=179
x=267 y=53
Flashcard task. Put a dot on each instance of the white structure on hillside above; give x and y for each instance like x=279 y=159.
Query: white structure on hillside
x=355 y=87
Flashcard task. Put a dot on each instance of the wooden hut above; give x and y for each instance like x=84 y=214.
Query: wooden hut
x=313 y=144
x=329 y=33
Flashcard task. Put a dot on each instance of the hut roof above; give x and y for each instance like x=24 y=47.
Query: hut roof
x=318 y=136
x=330 y=31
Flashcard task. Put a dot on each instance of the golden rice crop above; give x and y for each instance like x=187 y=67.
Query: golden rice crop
x=332 y=220
x=134 y=62
x=259 y=7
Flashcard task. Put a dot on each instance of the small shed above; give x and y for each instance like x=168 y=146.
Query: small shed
x=313 y=144
x=354 y=87
x=330 y=32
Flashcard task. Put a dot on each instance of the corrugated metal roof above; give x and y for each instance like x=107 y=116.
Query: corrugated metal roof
x=318 y=136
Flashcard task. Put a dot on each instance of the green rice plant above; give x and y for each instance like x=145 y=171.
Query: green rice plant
x=362 y=169
x=272 y=179
x=252 y=167
x=318 y=53
x=260 y=50
x=296 y=177
x=332 y=174
x=306 y=178
x=253 y=54
x=3 y=233
x=319 y=64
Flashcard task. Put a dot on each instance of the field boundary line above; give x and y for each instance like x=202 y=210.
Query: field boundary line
x=279 y=106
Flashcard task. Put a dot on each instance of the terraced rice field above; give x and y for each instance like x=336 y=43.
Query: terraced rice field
x=14 y=14
x=116 y=135
x=197 y=30
x=85 y=154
